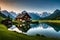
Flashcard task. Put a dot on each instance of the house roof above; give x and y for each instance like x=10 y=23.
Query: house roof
x=22 y=15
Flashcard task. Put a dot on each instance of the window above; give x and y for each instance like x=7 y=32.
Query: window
x=23 y=21
x=20 y=19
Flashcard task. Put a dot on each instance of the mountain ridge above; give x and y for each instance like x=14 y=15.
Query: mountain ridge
x=54 y=16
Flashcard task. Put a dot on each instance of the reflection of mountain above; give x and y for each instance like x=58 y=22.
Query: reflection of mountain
x=44 y=25
x=54 y=16
x=56 y=26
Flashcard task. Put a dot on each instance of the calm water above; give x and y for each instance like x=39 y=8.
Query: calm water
x=48 y=30
x=45 y=29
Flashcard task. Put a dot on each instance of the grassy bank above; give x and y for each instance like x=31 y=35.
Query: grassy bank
x=50 y=21
x=8 y=35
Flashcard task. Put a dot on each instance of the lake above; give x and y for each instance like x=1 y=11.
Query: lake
x=46 y=29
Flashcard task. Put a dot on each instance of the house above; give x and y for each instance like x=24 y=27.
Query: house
x=23 y=17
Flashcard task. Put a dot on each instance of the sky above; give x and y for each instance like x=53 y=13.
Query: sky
x=37 y=6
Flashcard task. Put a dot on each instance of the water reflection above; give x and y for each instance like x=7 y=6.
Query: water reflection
x=46 y=29
x=14 y=28
x=56 y=26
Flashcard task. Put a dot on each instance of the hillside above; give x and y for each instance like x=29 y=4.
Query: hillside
x=44 y=14
x=34 y=16
x=1 y=18
x=11 y=14
x=2 y=15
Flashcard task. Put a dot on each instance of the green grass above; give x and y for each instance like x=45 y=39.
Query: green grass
x=8 y=35
x=40 y=21
x=1 y=18
x=50 y=21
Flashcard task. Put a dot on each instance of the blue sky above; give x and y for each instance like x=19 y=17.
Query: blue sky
x=32 y=5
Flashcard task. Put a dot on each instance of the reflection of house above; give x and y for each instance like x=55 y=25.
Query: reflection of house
x=23 y=17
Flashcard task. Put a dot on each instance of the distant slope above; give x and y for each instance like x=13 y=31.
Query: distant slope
x=44 y=14
x=34 y=16
x=1 y=18
x=53 y=16
x=2 y=15
x=11 y=14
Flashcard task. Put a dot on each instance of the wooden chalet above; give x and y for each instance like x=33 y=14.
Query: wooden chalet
x=23 y=17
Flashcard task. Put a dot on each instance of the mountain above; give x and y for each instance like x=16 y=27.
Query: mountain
x=6 y=13
x=2 y=15
x=34 y=16
x=54 y=16
x=44 y=14
x=13 y=13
